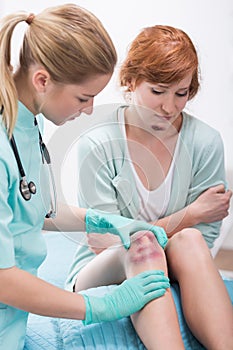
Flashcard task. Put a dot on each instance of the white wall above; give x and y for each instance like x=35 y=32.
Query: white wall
x=209 y=24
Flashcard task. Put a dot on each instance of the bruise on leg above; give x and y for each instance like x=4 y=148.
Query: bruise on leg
x=145 y=253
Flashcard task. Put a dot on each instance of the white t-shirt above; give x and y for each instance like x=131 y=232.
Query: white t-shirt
x=153 y=204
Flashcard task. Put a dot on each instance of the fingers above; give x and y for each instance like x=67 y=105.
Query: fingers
x=155 y=294
x=150 y=274
x=152 y=277
x=126 y=242
x=229 y=192
x=154 y=283
x=125 y=239
x=219 y=188
x=161 y=236
x=226 y=194
x=226 y=200
x=156 y=286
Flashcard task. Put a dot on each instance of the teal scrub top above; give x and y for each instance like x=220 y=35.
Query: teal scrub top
x=21 y=241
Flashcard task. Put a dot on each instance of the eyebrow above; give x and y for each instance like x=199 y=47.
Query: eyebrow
x=184 y=88
x=86 y=95
x=168 y=85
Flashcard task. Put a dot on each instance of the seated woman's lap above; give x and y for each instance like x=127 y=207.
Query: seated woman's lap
x=115 y=264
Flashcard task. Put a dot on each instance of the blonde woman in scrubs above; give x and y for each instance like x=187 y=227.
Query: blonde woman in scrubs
x=66 y=59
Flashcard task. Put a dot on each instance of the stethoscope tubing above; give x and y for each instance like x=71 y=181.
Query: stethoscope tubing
x=26 y=189
x=17 y=157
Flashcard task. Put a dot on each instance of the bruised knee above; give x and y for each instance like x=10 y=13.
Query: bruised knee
x=145 y=248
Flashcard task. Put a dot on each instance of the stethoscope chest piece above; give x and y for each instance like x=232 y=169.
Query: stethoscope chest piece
x=27 y=189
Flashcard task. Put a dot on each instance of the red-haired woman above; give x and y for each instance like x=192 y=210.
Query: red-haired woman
x=151 y=160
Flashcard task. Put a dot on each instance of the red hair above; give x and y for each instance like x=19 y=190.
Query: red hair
x=161 y=54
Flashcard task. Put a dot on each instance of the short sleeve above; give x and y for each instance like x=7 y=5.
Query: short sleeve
x=7 y=256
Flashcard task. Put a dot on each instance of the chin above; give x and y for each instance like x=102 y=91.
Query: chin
x=58 y=123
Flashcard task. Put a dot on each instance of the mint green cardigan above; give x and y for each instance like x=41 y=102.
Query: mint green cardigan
x=106 y=181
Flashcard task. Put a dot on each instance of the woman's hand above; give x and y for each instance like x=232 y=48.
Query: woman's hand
x=212 y=205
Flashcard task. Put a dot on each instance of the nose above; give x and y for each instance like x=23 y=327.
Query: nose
x=88 y=108
x=168 y=104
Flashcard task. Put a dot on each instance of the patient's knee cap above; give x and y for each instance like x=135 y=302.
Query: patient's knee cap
x=145 y=247
x=187 y=240
x=190 y=237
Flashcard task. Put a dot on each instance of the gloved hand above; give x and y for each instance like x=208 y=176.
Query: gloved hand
x=101 y=222
x=127 y=298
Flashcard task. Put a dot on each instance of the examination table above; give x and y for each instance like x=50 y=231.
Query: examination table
x=60 y=334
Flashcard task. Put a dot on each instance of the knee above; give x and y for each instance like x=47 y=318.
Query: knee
x=188 y=243
x=189 y=237
x=145 y=248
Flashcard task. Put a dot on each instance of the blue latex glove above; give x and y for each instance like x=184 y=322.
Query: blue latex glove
x=127 y=298
x=101 y=222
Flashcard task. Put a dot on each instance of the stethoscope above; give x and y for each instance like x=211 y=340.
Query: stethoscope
x=27 y=189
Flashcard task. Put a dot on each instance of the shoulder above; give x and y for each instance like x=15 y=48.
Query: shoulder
x=8 y=167
x=197 y=133
x=105 y=128
x=198 y=127
x=5 y=148
x=203 y=143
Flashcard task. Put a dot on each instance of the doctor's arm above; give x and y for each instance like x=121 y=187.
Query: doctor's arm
x=210 y=206
x=68 y=218
x=24 y=291
x=89 y=220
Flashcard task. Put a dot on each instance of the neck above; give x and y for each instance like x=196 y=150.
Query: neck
x=137 y=129
x=25 y=90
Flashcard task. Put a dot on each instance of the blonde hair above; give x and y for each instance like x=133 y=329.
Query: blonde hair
x=69 y=41
x=161 y=54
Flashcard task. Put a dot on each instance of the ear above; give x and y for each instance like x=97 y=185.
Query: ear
x=40 y=80
x=131 y=85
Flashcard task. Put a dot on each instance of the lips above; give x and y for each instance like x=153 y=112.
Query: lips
x=164 y=117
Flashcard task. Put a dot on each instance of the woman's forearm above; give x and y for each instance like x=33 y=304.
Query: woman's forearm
x=176 y=222
x=27 y=292
x=212 y=205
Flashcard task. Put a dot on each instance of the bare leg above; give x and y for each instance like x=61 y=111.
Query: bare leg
x=206 y=304
x=105 y=269
x=157 y=323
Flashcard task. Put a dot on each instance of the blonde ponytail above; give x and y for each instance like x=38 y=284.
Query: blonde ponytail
x=8 y=93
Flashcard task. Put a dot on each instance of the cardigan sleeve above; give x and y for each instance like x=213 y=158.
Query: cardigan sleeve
x=208 y=171
x=96 y=171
